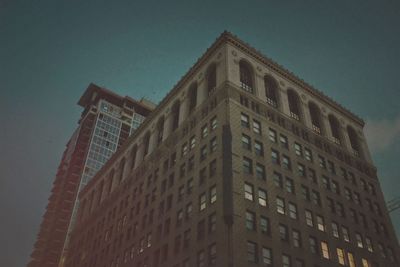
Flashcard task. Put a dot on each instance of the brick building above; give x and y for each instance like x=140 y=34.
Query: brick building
x=106 y=122
x=241 y=164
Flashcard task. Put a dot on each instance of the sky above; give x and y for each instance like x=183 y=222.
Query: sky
x=51 y=50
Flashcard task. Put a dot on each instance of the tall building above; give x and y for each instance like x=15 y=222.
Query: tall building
x=241 y=164
x=105 y=124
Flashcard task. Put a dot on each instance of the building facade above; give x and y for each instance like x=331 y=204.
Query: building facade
x=105 y=124
x=241 y=164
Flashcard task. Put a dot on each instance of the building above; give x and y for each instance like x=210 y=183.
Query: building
x=105 y=124
x=241 y=164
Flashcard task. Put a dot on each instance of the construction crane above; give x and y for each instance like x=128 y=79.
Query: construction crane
x=393 y=204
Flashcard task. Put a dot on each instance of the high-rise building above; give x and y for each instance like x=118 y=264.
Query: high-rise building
x=105 y=124
x=241 y=164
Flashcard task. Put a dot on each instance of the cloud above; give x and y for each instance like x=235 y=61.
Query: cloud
x=381 y=134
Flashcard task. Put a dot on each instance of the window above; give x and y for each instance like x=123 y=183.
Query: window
x=280 y=205
x=260 y=171
x=296 y=236
x=286 y=261
x=292 y=211
x=275 y=156
x=189 y=186
x=247 y=165
x=248 y=192
x=350 y=257
x=331 y=167
x=201 y=259
x=298 y=149
x=335 y=187
x=256 y=127
x=264 y=225
x=262 y=197
x=345 y=233
x=211 y=78
x=309 y=218
x=286 y=162
x=305 y=192
x=322 y=162
x=294 y=104
x=272 y=135
x=359 y=241
x=368 y=244
x=204 y=131
x=201 y=229
x=340 y=255
x=213 y=167
x=202 y=202
x=213 y=194
x=266 y=256
x=365 y=263
x=315 y=115
x=325 y=250
x=250 y=221
x=213 y=144
x=335 y=230
x=212 y=223
x=301 y=170
x=271 y=88
x=246 y=142
x=246 y=76
x=245 y=121
x=283 y=232
x=284 y=141
x=212 y=254
x=258 y=148
x=320 y=223
x=313 y=245
x=203 y=153
x=189 y=208
x=278 y=179
x=381 y=250
x=308 y=154
x=184 y=149
x=214 y=123
x=325 y=182
x=192 y=142
x=289 y=185
x=252 y=252
x=179 y=218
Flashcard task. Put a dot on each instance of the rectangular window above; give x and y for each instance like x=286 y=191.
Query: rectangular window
x=272 y=135
x=252 y=252
x=359 y=241
x=214 y=123
x=368 y=244
x=201 y=259
x=204 y=131
x=365 y=263
x=292 y=211
x=296 y=236
x=192 y=142
x=212 y=254
x=275 y=156
x=278 y=179
x=313 y=245
x=301 y=170
x=335 y=230
x=325 y=250
x=350 y=257
x=247 y=165
x=280 y=205
x=266 y=256
x=298 y=149
x=289 y=184
x=283 y=232
x=213 y=144
x=322 y=162
x=258 y=148
x=308 y=154
x=212 y=223
x=262 y=197
x=248 y=192
x=213 y=194
x=309 y=218
x=260 y=171
x=286 y=162
x=286 y=261
x=202 y=202
x=264 y=225
x=250 y=221
x=284 y=141
x=320 y=223
x=245 y=121
x=345 y=233
x=246 y=142
x=256 y=127
x=203 y=153
x=340 y=255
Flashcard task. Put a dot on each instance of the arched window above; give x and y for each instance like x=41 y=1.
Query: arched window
x=133 y=156
x=211 y=78
x=271 y=90
x=335 y=129
x=121 y=170
x=160 y=130
x=315 y=114
x=146 y=143
x=246 y=76
x=354 y=143
x=192 y=97
x=294 y=104
x=175 y=115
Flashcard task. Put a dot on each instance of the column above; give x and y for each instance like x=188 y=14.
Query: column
x=284 y=100
x=153 y=139
x=140 y=152
x=183 y=109
x=167 y=123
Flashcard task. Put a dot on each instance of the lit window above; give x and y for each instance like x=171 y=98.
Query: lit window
x=248 y=192
x=325 y=250
x=350 y=257
x=365 y=263
x=340 y=255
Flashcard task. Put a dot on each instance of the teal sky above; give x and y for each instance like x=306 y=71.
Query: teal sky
x=51 y=50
